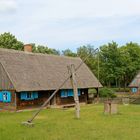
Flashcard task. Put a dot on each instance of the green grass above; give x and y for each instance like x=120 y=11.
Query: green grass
x=57 y=124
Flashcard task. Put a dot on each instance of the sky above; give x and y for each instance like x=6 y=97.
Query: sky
x=63 y=24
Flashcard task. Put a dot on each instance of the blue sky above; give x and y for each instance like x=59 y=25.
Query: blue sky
x=63 y=24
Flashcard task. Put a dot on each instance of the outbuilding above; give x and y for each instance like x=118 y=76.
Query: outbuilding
x=135 y=84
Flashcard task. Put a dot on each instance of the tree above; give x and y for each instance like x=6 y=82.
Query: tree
x=92 y=59
x=9 y=41
x=130 y=56
x=44 y=49
x=110 y=63
x=119 y=65
x=68 y=52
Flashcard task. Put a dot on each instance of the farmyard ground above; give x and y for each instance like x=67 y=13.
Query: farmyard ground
x=58 y=124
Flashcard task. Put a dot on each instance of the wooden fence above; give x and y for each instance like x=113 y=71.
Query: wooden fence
x=118 y=100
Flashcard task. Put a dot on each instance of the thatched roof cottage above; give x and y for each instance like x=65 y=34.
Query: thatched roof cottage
x=135 y=84
x=27 y=79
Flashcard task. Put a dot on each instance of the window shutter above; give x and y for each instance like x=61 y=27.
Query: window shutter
x=79 y=93
x=8 y=97
x=23 y=95
x=32 y=96
x=70 y=92
x=62 y=93
x=35 y=95
x=1 y=98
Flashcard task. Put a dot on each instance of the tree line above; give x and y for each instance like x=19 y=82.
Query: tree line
x=117 y=64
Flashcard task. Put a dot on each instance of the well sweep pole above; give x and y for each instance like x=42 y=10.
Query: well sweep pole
x=47 y=101
x=75 y=90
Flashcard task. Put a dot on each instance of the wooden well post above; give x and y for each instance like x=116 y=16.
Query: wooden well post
x=75 y=90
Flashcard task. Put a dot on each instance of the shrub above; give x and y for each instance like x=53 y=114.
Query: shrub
x=122 y=89
x=106 y=92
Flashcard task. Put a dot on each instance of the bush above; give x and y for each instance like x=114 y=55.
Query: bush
x=106 y=92
x=122 y=89
x=92 y=91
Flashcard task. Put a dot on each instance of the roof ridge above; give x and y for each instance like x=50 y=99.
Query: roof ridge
x=43 y=54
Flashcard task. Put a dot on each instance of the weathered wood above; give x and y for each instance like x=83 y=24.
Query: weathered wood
x=107 y=108
x=15 y=101
x=36 y=103
x=114 y=109
x=28 y=124
x=68 y=105
x=125 y=101
x=74 y=85
x=5 y=82
x=110 y=107
x=43 y=95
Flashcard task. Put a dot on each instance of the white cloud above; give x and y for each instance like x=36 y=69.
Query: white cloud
x=8 y=5
x=62 y=23
x=90 y=8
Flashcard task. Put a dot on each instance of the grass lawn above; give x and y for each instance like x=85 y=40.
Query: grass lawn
x=58 y=124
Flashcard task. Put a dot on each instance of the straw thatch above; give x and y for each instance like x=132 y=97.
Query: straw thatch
x=34 y=72
x=136 y=81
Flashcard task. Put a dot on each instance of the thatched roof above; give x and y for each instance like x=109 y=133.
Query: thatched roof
x=136 y=81
x=33 y=72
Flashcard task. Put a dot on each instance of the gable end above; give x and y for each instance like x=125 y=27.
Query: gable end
x=5 y=82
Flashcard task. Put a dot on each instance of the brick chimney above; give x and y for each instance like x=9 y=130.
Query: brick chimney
x=28 y=48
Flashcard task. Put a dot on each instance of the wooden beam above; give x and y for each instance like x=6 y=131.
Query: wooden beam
x=75 y=90
x=15 y=100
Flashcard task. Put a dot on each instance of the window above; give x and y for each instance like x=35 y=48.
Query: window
x=134 y=90
x=5 y=96
x=64 y=93
x=28 y=95
x=68 y=93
